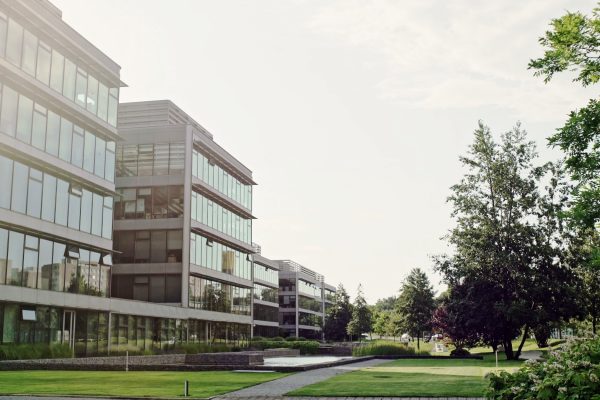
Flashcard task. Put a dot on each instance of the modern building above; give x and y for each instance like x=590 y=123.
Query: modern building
x=304 y=298
x=265 y=307
x=183 y=221
x=58 y=117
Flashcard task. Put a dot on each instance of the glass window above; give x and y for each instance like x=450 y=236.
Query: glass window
x=109 y=171
x=66 y=136
x=81 y=88
x=52 y=133
x=34 y=195
x=100 y=156
x=30 y=261
x=62 y=202
x=49 y=198
x=3 y=254
x=15 y=258
x=30 y=46
x=14 y=42
x=86 y=211
x=158 y=248
x=69 y=79
x=161 y=159
x=44 y=59
x=39 y=127
x=102 y=102
x=56 y=72
x=58 y=267
x=74 y=206
x=175 y=201
x=92 y=94
x=145 y=159
x=77 y=148
x=176 y=157
x=89 y=152
x=19 y=189
x=8 y=119
x=45 y=265
x=97 y=205
x=159 y=202
x=174 y=246
x=113 y=101
x=6 y=175
x=24 y=119
x=107 y=218
x=3 y=28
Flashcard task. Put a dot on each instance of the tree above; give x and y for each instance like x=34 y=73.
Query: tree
x=338 y=316
x=416 y=304
x=361 y=321
x=386 y=304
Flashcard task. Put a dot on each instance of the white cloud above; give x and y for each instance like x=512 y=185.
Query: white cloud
x=458 y=54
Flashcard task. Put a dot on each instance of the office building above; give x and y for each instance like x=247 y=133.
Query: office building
x=304 y=298
x=265 y=314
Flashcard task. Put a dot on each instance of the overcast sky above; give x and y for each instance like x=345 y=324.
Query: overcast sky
x=351 y=114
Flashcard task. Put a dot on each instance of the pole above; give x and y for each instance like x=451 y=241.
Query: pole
x=496 y=360
x=186 y=388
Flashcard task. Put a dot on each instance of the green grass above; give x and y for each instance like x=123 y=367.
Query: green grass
x=129 y=384
x=427 y=377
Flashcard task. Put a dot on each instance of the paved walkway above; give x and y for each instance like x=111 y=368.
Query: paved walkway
x=279 y=387
x=351 y=398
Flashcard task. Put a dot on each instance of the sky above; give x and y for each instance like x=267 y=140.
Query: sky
x=351 y=114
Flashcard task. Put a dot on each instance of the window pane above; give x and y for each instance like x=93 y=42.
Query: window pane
x=107 y=218
x=130 y=160
x=99 y=158
x=77 y=150
x=158 y=252
x=62 y=202
x=112 y=110
x=161 y=159
x=74 y=210
x=29 y=53
x=43 y=64
x=176 y=159
x=45 y=265
x=14 y=42
x=34 y=195
x=81 y=88
x=89 y=152
x=8 y=119
x=3 y=28
x=39 y=128
x=66 y=136
x=69 y=79
x=86 y=211
x=56 y=72
x=52 y=133
x=109 y=172
x=49 y=198
x=6 y=171
x=97 y=205
x=19 y=189
x=145 y=159
x=15 y=258
x=24 y=120
x=3 y=254
x=30 y=264
x=102 y=102
x=92 y=95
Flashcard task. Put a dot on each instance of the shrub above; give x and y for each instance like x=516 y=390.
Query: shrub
x=386 y=349
x=34 y=351
x=572 y=372
x=291 y=339
x=277 y=339
x=195 y=348
x=257 y=338
x=459 y=353
x=305 y=346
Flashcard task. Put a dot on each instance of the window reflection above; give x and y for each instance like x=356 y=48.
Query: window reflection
x=206 y=294
x=218 y=217
x=210 y=254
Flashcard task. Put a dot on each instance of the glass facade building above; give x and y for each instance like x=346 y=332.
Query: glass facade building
x=265 y=311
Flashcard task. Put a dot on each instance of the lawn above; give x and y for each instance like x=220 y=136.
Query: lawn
x=429 y=377
x=129 y=384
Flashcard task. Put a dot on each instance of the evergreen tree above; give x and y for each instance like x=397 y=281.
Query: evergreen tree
x=361 y=321
x=416 y=304
x=338 y=317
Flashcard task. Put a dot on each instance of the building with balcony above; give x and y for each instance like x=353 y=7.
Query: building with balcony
x=265 y=307
x=183 y=221
x=303 y=300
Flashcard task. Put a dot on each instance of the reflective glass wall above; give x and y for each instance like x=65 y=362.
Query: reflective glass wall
x=266 y=313
x=149 y=202
x=266 y=274
x=206 y=294
x=308 y=288
x=214 y=255
x=65 y=76
x=219 y=179
x=42 y=195
x=155 y=288
x=37 y=263
x=150 y=159
x=155 y=246
x=265 y=293
x=34 y=124
x=220 y=218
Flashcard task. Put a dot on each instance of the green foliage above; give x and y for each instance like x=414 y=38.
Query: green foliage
x=361 y=321
x=570 y=373
x=338 y=316
x=34 y=351
x=294 y=339
x=386 y=349
x=276 y=339
x=305 y=346
x=195 y=348
x=459 y=352
x=416 y=304
x=386 y=304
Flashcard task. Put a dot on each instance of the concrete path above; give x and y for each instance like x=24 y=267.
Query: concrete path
x=279 y=387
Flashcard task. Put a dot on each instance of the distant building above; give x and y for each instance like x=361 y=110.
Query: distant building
x=304 y=298
x=265 y=316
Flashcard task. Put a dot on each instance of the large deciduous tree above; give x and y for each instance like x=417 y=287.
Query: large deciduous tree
x=416 y=304
x=338 y=317
x=511 y=258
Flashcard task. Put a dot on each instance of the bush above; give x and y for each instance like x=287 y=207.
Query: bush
x=257 y=338
x=386 y=349
x=572 y=372
x=291 y=339
x=459 y=353
x=305 y=346
x=34 y=351
x=276 y=339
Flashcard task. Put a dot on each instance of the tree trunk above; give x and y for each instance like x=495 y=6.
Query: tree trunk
x=494 y=347
x=508 y=350
x=525 y=334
